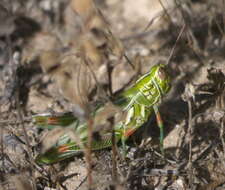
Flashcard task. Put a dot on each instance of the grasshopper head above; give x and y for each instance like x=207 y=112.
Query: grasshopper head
x=161 y=77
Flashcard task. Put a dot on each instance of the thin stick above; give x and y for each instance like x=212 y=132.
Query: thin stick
x=128 y=61
x=221 y=134
x=164 y=9
x=109 y=72
x=114 y=153
x=223 y=4
x=2 y=148
x=178 y=38
x=88 y=154
x=160 y=14
x=190 y=142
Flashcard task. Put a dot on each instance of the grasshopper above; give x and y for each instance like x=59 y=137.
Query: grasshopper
x=137 y=103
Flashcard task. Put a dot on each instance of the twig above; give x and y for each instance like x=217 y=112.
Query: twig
x=2 y=147
x=82 y=182
x=129 y=62
x=200 y=155
x=166 y=159
x=160 y=172
x=223 y=5
x=190 y=33
x=222 y=134
x=109 y=72
x=190 y=142
x=190 y=129
x=88 y=154
x=178 y=38
x=114 y=153
x=150 y=34
x=164 y=10
x=160 y=14
x=187 y=97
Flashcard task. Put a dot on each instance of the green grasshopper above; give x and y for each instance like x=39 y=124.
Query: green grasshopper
x=137 y=102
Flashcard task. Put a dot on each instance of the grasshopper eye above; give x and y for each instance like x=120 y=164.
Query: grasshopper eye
x=162 y=74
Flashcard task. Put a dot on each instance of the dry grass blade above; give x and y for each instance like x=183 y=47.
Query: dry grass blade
x=173 y=49
x=2 y=144
x=188 y=95
x=165 y=11
x=222 y=134
x=88 y=154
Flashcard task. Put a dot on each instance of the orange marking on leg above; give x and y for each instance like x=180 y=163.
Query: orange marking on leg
x=52 y=120
x=159 y=119
x=129 y=132
x=63 y=148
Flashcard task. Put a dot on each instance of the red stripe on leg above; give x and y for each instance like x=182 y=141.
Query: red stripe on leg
x=63 y=148
x=129 y=132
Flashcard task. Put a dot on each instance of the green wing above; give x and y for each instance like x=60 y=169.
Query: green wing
x=50 y=121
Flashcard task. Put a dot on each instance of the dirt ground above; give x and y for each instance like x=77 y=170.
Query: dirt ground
x=188 y=36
